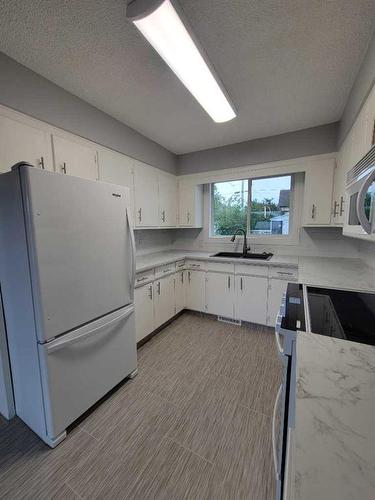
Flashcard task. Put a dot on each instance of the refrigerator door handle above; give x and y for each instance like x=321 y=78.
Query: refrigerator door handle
x=61 y=343
x=132 y=240
x=274 y=446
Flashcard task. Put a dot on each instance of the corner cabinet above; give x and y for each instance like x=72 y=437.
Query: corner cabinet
x=144 y=310
x=317 y=200
x=190 y=206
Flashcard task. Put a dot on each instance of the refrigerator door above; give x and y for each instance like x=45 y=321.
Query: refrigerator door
x=79 y=368
x=81 y=249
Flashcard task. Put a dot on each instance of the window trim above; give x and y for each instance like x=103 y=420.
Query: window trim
x=294 y=221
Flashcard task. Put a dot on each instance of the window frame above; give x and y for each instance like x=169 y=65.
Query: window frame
x=291 y=238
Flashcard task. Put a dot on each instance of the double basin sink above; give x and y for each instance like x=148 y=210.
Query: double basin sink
x=239 y=255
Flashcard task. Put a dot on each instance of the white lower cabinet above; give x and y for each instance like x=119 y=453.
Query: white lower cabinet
x=144 y=310
x=195 y=290
x=164 y=302
x=251 y=299
x=180 y=290
x=275 y=292
x=220 y=294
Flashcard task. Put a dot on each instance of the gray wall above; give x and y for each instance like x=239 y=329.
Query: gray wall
x=25 y=91
x=311 y=141
x=363 y=84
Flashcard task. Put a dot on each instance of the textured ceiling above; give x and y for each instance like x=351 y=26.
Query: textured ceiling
x=287 y=64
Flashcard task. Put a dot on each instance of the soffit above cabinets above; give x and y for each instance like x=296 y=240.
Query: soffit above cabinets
x=286 y=65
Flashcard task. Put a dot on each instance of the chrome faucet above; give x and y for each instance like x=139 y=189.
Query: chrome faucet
x=245 y=247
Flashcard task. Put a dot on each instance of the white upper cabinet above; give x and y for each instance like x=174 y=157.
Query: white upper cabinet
x=146 y=197
x=22 y=142
x=190 y=209
x=117 y=169
x=317 y=199
x=167 y=199
x=369 y=113
x=74 y=158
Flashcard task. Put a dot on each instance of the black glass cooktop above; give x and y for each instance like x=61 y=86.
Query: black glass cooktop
x=342 y=314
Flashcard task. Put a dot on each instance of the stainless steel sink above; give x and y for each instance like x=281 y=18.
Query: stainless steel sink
x=239 y=255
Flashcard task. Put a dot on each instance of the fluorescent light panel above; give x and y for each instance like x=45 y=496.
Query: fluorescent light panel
x=166 y=32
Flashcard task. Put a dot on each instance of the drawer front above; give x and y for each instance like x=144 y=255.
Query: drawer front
x=180 y=265
x=165 y=270
x=196 y=265
x=286 y=273
x=251 y=270
x=220 y=267
x=143 y=278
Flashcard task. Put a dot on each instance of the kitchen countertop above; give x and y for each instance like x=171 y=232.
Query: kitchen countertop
x=340 y=273
x=148 y=261
x=335 y=419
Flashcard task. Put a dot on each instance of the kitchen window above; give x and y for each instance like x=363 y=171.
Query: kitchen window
x=260 y=206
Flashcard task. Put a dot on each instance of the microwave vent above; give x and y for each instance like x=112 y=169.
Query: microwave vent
x=362 y=167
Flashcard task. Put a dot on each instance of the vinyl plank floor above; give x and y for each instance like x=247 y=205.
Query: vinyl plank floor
x=194 y=424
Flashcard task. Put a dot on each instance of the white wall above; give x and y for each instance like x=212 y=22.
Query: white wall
x=153 y=240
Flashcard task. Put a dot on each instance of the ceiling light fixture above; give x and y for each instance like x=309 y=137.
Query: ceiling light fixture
x=162 y=26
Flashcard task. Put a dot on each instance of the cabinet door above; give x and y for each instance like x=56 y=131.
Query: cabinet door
x=167 y=200
x=318 y=194
x=251 y=299
x=117 y=169
x=370 y=121
x=20 y=142
x=74 y=158
x=144 y=311
x=190 y=205
x=220 y=294
x=275 y=293
x=195 y=290
x=146 y=203
x=164 y=302
x=180 y=292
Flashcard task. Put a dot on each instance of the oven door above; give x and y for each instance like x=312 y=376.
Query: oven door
x=360 y=217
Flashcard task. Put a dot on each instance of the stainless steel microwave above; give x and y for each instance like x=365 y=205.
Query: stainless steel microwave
x=360 y=191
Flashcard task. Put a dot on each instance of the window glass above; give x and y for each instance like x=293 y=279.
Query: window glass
x=260 y=206
x=270 y=205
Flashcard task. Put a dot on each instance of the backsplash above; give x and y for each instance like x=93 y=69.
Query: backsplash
x=153 y=240
x=320 y=242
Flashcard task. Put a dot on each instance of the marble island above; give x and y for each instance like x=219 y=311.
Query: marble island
x=335 y=419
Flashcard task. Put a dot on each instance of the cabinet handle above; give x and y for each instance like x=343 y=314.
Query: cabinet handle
x=189 y=276
x=188 y=217
x=150 y=292
x=158 y=287
x=141 y=279
x=41 y=162
x=228 y=281
x=166 y=270
x=63 y=168
x=341 y=205
x=140 y=215
x=241 y=284
x=284 y=273
x=182 y=277
x=163 y=216
x=335 y=209
x=313 y=212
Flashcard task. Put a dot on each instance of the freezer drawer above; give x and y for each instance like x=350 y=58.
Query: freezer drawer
x=80 y=367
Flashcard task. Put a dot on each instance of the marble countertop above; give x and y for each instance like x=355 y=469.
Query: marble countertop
x=335 y=419
x=340 y=273
x=148 y=261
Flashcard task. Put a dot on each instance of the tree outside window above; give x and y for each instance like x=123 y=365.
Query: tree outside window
x=261 y=206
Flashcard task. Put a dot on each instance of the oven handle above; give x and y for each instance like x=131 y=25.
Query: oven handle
x=277 y=334
x=274 y=448
x=365 y=223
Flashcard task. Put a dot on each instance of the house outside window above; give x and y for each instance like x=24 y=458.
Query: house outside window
x=261 y=206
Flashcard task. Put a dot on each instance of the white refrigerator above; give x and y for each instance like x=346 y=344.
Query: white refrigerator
x=67 y=267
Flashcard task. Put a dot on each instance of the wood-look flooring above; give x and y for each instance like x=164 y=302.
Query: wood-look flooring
x=194 y=424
